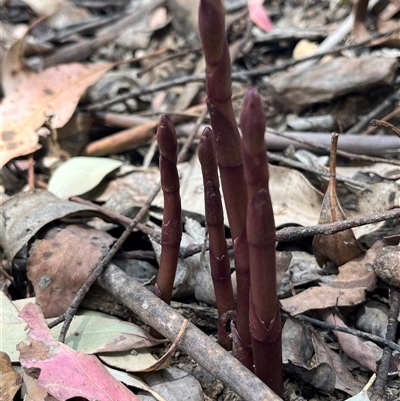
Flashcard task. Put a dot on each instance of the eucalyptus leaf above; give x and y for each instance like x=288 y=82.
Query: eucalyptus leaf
x=79 y=175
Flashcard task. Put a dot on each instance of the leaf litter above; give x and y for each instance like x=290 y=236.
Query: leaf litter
x=54 y=254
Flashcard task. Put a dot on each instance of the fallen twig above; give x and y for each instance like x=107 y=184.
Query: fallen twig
x=198 y=345
x=293 y=233
x=374 y=113
x=354 y=332
x=382 y=374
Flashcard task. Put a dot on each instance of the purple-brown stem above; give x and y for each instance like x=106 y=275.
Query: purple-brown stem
x=265 y=322
x=219 y=259
x=227 y=145
x=171 y=231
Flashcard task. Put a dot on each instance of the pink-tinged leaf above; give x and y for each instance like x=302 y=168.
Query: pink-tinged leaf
x=65 y=373
x=259 y=16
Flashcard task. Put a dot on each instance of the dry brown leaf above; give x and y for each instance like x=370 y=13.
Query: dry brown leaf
x=340 y=247
x=351 y=345
x=357 y=272
x=10 y=379
x=359 y=29
x=345 y=381
x=61 y=263
x=15 y=72
x=321 y=298
x=50 y=95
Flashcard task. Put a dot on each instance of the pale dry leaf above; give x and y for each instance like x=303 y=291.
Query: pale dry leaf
x=304 y=48
x=51 y=95
x=79 y=175
x=133 y=381
x=294 y=199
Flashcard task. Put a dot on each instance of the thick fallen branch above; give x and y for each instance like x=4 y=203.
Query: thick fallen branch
x=156 y=313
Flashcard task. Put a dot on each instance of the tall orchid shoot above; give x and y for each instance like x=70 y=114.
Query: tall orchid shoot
x=265 y=321
x=219 y=259
x=227 y=144
x=171 y=231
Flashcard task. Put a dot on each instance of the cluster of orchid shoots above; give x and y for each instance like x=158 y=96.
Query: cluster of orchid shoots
x=255 y=332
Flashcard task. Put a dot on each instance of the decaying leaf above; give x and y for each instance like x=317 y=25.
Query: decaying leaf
x=322 y=297
x=340 y=247
x=23 y=215
x=65 y=373
x=51 y=95
x=357 y=272
x=306 y=355
x=61 y=262
x=33 y=391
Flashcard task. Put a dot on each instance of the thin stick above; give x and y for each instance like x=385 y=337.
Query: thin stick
x=373 y=113
x=380 y=123
x=292 y=233
x=351 y=156
x=382 y=374
x=354 y=332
